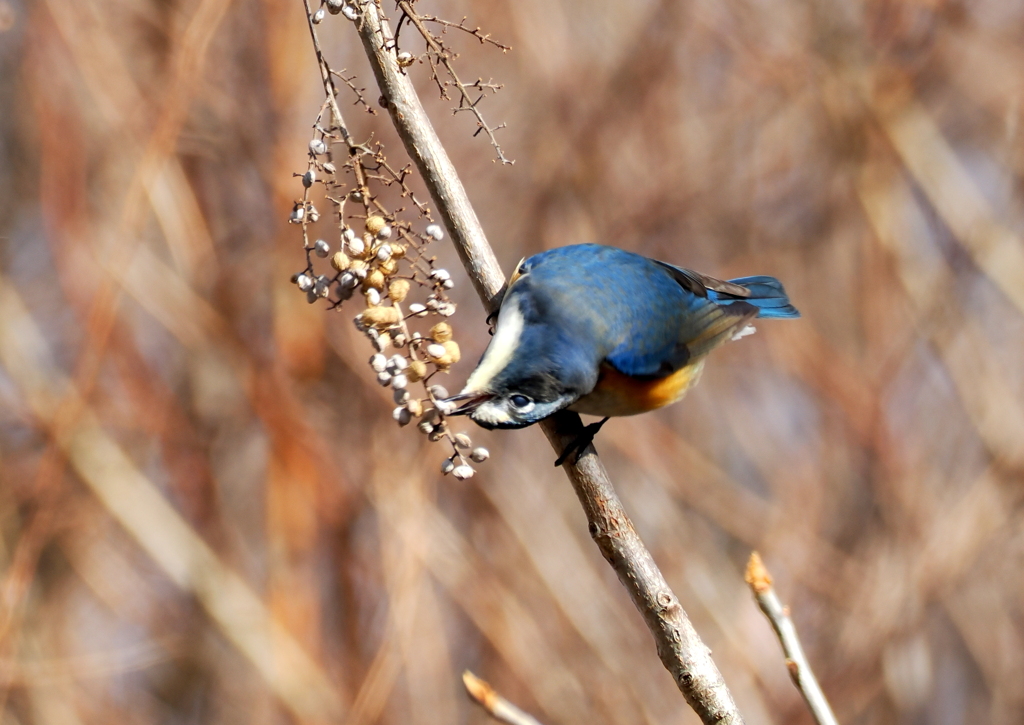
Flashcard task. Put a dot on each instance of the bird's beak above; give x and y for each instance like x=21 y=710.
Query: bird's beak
x=468 y=402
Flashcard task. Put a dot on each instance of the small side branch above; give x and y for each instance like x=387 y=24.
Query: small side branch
x=475 y=32
x=358 y=92
x=338 y=121
x=760 y=582
x=496 y=706
x=439 y=54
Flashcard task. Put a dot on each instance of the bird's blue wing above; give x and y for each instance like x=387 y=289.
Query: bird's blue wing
x=646 y=319
x=681 y=321
x=675 y=337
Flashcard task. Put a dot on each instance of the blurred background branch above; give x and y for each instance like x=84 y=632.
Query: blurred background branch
x=494 y=704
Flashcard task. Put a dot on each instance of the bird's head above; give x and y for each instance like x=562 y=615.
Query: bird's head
x=522 y=377
x=508 y=408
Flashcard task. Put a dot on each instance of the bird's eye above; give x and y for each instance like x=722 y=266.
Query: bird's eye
x=520 y=401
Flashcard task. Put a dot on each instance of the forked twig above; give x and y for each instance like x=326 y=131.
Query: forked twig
x=439 y=54
x=358 y=92
x=475 y=32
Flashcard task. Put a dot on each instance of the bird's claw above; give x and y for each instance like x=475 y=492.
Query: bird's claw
x=583 y=439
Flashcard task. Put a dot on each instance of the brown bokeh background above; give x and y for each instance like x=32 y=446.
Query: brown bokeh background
x=208 y=515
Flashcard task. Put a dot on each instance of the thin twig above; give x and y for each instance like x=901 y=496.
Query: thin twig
x=328 y=81
x=475 y=32
x=679 y=647
x=496 y=706
x=466 y=101
x=360 y=98
x=760 y=582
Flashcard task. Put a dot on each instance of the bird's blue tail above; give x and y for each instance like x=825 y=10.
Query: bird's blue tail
x=766 y=294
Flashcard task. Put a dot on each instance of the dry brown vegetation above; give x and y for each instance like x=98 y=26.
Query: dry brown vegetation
x=207 y=513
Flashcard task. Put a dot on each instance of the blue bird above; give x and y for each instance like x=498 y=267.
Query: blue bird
x=606 y=332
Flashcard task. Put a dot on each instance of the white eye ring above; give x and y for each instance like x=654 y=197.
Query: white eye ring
x=521 y=403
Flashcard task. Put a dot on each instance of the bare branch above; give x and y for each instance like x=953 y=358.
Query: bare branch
x=760 y=582
x=681 y=650
x=444 y=57
x=328 y=80
x=360 y=98
x=496 y=706
x=399 y=177
x=475 y=32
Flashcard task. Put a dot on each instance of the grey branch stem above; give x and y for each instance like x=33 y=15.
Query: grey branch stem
x=682 y=652
x=760 y=582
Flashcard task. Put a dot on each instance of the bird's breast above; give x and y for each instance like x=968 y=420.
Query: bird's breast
x=619 y=394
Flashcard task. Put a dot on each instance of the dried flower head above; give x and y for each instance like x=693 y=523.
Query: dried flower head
x=398 y=289
x=374 y=224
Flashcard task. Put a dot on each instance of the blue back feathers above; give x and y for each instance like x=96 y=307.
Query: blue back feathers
x=589 y=304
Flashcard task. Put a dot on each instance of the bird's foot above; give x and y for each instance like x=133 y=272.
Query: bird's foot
x=580 y=442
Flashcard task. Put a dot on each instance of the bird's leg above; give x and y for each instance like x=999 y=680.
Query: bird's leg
x=581 y=441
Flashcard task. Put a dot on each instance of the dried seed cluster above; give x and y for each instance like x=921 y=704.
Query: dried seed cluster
x=372 y=251
x=384 y=262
